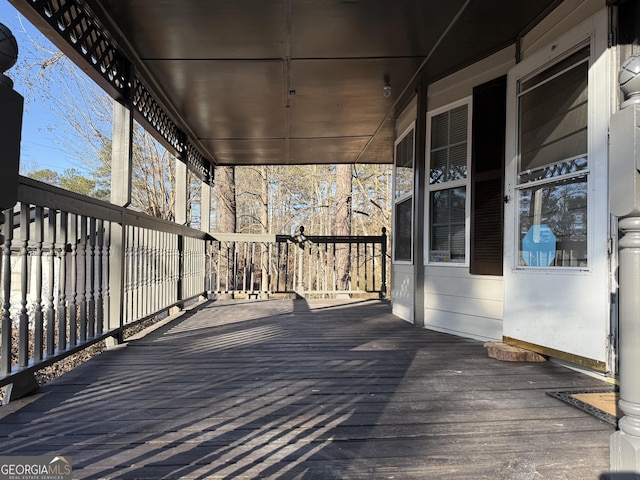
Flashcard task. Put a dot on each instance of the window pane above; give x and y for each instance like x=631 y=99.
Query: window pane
x=553 y=118
x=557 y=68
x=448 y=225
x=402 y=231
x=440 y=207
x=553 y=224
x=458 y=204
x=440 y=240
x=458 y=162
x=440 y=131
x=438 y=166
x=448 y=147
x=457 y=242
x=553 y=143
x=458 y=125
x=404 y=166
x=404 y=155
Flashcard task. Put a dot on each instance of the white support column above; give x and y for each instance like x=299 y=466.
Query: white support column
x=419 y=182
x=121 y=168
x=624 y=195
x=205 y=207
x=121 y=155
x=182 y=192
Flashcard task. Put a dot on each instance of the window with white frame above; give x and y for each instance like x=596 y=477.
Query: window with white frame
x=403 y=197
x=449 y=156
x=553 y=164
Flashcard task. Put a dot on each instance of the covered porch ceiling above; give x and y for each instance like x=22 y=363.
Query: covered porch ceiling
x=254 y=82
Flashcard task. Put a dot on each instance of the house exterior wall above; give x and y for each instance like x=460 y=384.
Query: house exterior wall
x=455 y=300
x=484 y=306
x=463 y=304
x=568 y=15
x=403 y=292
x=402 y=277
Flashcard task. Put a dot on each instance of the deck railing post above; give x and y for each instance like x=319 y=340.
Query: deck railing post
x=38 y=316
x=301 y=241
x=23 y=323
x=62 y=282
x=6 y=325
x=179 y=292
x=51 y=314
x=383 y=259
x=121 y=168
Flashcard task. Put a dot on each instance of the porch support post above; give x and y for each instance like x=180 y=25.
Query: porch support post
x=121 y=169
x=625 y=443
x=419 y=179
x=205 y=207
x=182 y=192
x=205 y=226
x=624 y=194
x=121 y=155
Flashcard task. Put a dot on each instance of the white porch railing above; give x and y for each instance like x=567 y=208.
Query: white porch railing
x=77 y=270
x=307 y=265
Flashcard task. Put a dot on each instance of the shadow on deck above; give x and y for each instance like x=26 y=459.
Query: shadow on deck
x=309 y=390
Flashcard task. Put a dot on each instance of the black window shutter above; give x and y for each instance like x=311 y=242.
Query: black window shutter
x=487 y=177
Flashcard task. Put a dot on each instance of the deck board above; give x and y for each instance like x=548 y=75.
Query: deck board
x=309 y=390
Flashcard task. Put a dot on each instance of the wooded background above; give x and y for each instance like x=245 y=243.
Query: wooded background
x=325 y=199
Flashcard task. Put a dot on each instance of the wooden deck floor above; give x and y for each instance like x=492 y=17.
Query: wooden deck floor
x=311 y=390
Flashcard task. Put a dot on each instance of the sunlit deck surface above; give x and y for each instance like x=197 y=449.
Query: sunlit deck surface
x=308 y=389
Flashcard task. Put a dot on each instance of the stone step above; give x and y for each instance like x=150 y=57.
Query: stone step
x=509 y=353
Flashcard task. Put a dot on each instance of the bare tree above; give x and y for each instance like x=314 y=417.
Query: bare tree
x=342 y=223
x=264 y=221
x=83 y=130
x=226 y=191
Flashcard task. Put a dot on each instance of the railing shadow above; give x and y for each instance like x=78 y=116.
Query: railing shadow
x=291 y=389
x=267 y=397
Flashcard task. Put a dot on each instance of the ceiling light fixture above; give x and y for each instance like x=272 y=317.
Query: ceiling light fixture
x=386 y=90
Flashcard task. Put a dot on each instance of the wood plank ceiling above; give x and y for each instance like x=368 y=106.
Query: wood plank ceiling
x=300 y=81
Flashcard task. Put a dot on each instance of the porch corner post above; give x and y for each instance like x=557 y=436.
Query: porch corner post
x=205 y=207
x=418 y=207
x=182 y=192
x=624 y=194
x=205 y=226
x=121 y=171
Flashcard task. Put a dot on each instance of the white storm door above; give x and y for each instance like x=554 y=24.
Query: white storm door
x=556 y=217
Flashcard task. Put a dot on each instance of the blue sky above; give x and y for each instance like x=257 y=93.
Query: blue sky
x=39 y=148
